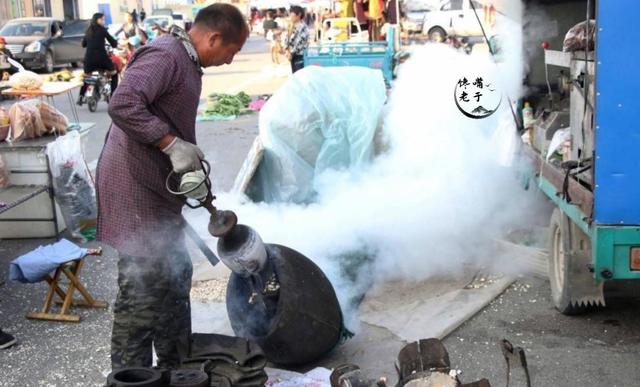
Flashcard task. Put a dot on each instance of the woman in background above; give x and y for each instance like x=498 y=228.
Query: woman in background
x=96 y=57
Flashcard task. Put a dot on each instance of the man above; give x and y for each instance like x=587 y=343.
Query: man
x=269 y=24
x=153 y=133
x=299 y=39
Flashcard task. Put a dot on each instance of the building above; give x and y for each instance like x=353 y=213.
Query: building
x=114 y=10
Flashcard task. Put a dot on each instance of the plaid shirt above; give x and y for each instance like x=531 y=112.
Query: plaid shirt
x=158 y=95
x=299 y=39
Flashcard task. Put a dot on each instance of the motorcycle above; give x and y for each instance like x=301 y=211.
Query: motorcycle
x=98 y=87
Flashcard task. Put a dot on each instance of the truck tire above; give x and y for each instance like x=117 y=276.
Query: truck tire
x=49 y=64
x=560 y=247
x=437 y=34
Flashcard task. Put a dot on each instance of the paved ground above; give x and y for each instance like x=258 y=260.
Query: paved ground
x=597 y=349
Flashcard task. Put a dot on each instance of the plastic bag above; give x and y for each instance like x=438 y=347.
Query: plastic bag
x=25 y=80
x=52 y=119
x=4 y=176
x=26 y=121
x=320 y=119
x=4 y=124
x=576 y=37
x=72 y=184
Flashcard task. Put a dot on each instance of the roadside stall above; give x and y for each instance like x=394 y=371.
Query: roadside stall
x=29 y=207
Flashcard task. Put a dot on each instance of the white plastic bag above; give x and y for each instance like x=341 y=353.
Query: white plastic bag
x=72 y=184
x=320 y=119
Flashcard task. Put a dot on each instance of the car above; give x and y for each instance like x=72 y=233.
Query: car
x=343 y=29
x=44 y=42
x=453 y=17
x=165 y=22
x=414 y=12
x=179 y=20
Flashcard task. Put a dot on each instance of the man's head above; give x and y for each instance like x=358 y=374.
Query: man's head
x=296 y=13
x=218 y=33
x=128 y=18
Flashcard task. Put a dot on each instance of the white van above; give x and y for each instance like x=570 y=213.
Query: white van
x=343 y=29
x=456 y=17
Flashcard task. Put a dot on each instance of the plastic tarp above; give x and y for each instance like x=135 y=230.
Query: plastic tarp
x=321 y=119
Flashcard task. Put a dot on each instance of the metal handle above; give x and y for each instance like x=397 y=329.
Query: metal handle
x=206 y=180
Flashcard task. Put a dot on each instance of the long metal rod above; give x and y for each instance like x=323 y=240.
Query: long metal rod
x=211 y=256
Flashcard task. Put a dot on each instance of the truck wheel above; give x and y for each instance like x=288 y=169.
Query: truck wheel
x=560 y=264
x=437 y=34
x=48 y=62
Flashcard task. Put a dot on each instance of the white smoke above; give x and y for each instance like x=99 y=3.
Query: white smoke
x=433 y=202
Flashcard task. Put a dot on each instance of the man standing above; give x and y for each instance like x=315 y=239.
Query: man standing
x=153 y=132
x=299 y=39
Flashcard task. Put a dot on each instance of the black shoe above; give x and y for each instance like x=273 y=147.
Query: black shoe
x=80 y=101
x=6 y=340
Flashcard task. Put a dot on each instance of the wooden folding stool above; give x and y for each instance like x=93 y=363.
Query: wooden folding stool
x=71 y=270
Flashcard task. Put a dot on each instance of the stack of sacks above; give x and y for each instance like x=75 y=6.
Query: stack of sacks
x=229 y=361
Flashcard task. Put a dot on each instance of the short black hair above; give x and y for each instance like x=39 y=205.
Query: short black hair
x=298 y=10
x=225 y=19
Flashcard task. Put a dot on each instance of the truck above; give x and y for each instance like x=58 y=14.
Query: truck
x=376 y=55
x=585 y=100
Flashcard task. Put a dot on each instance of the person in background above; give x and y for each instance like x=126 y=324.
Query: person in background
x=6 y=340
x=298 y=40
x=4 y=74
x=129 y=28
x=384 y=30
x=143 y=15
x=134 y=16
x=96 y=57
x=269 y=24
x=152 y=134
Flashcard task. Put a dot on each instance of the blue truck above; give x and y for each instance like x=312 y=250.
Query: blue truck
x=594 y=233
x=376 y=55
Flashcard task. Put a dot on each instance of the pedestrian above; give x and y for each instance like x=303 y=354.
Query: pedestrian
x=153 y=133
x=96 y=57
x=268 y=24
x=4 y=74
x=129 y=28
x=298 y=40
x=134 y=16
x=143 y=15
x=6 y=340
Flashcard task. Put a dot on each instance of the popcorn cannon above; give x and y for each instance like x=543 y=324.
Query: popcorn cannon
x=276 y=297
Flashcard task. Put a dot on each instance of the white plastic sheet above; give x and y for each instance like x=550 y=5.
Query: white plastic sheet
x=322 y=118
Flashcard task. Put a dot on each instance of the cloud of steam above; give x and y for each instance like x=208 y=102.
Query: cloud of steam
x=433 y=202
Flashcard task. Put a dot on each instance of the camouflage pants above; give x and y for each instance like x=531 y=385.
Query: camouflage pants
x=152 y=308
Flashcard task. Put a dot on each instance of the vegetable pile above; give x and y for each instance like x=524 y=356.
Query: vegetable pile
x=227 y=104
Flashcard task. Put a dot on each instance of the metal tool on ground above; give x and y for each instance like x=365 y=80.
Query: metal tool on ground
x=515 y=357
x=197 y=185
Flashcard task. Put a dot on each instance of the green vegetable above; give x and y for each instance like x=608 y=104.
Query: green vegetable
x=226 y=104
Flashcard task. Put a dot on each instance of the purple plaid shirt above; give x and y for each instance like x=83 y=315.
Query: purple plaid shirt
x=159 y=94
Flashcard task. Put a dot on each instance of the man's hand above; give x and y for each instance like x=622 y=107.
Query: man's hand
x=288 y=55
x=184 y=156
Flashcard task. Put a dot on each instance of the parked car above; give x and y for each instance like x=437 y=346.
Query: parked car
x=179 y=20
x=343 y=29
x=44 y=43
x=164 y=21
x=453 y=17
x=414 y=20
